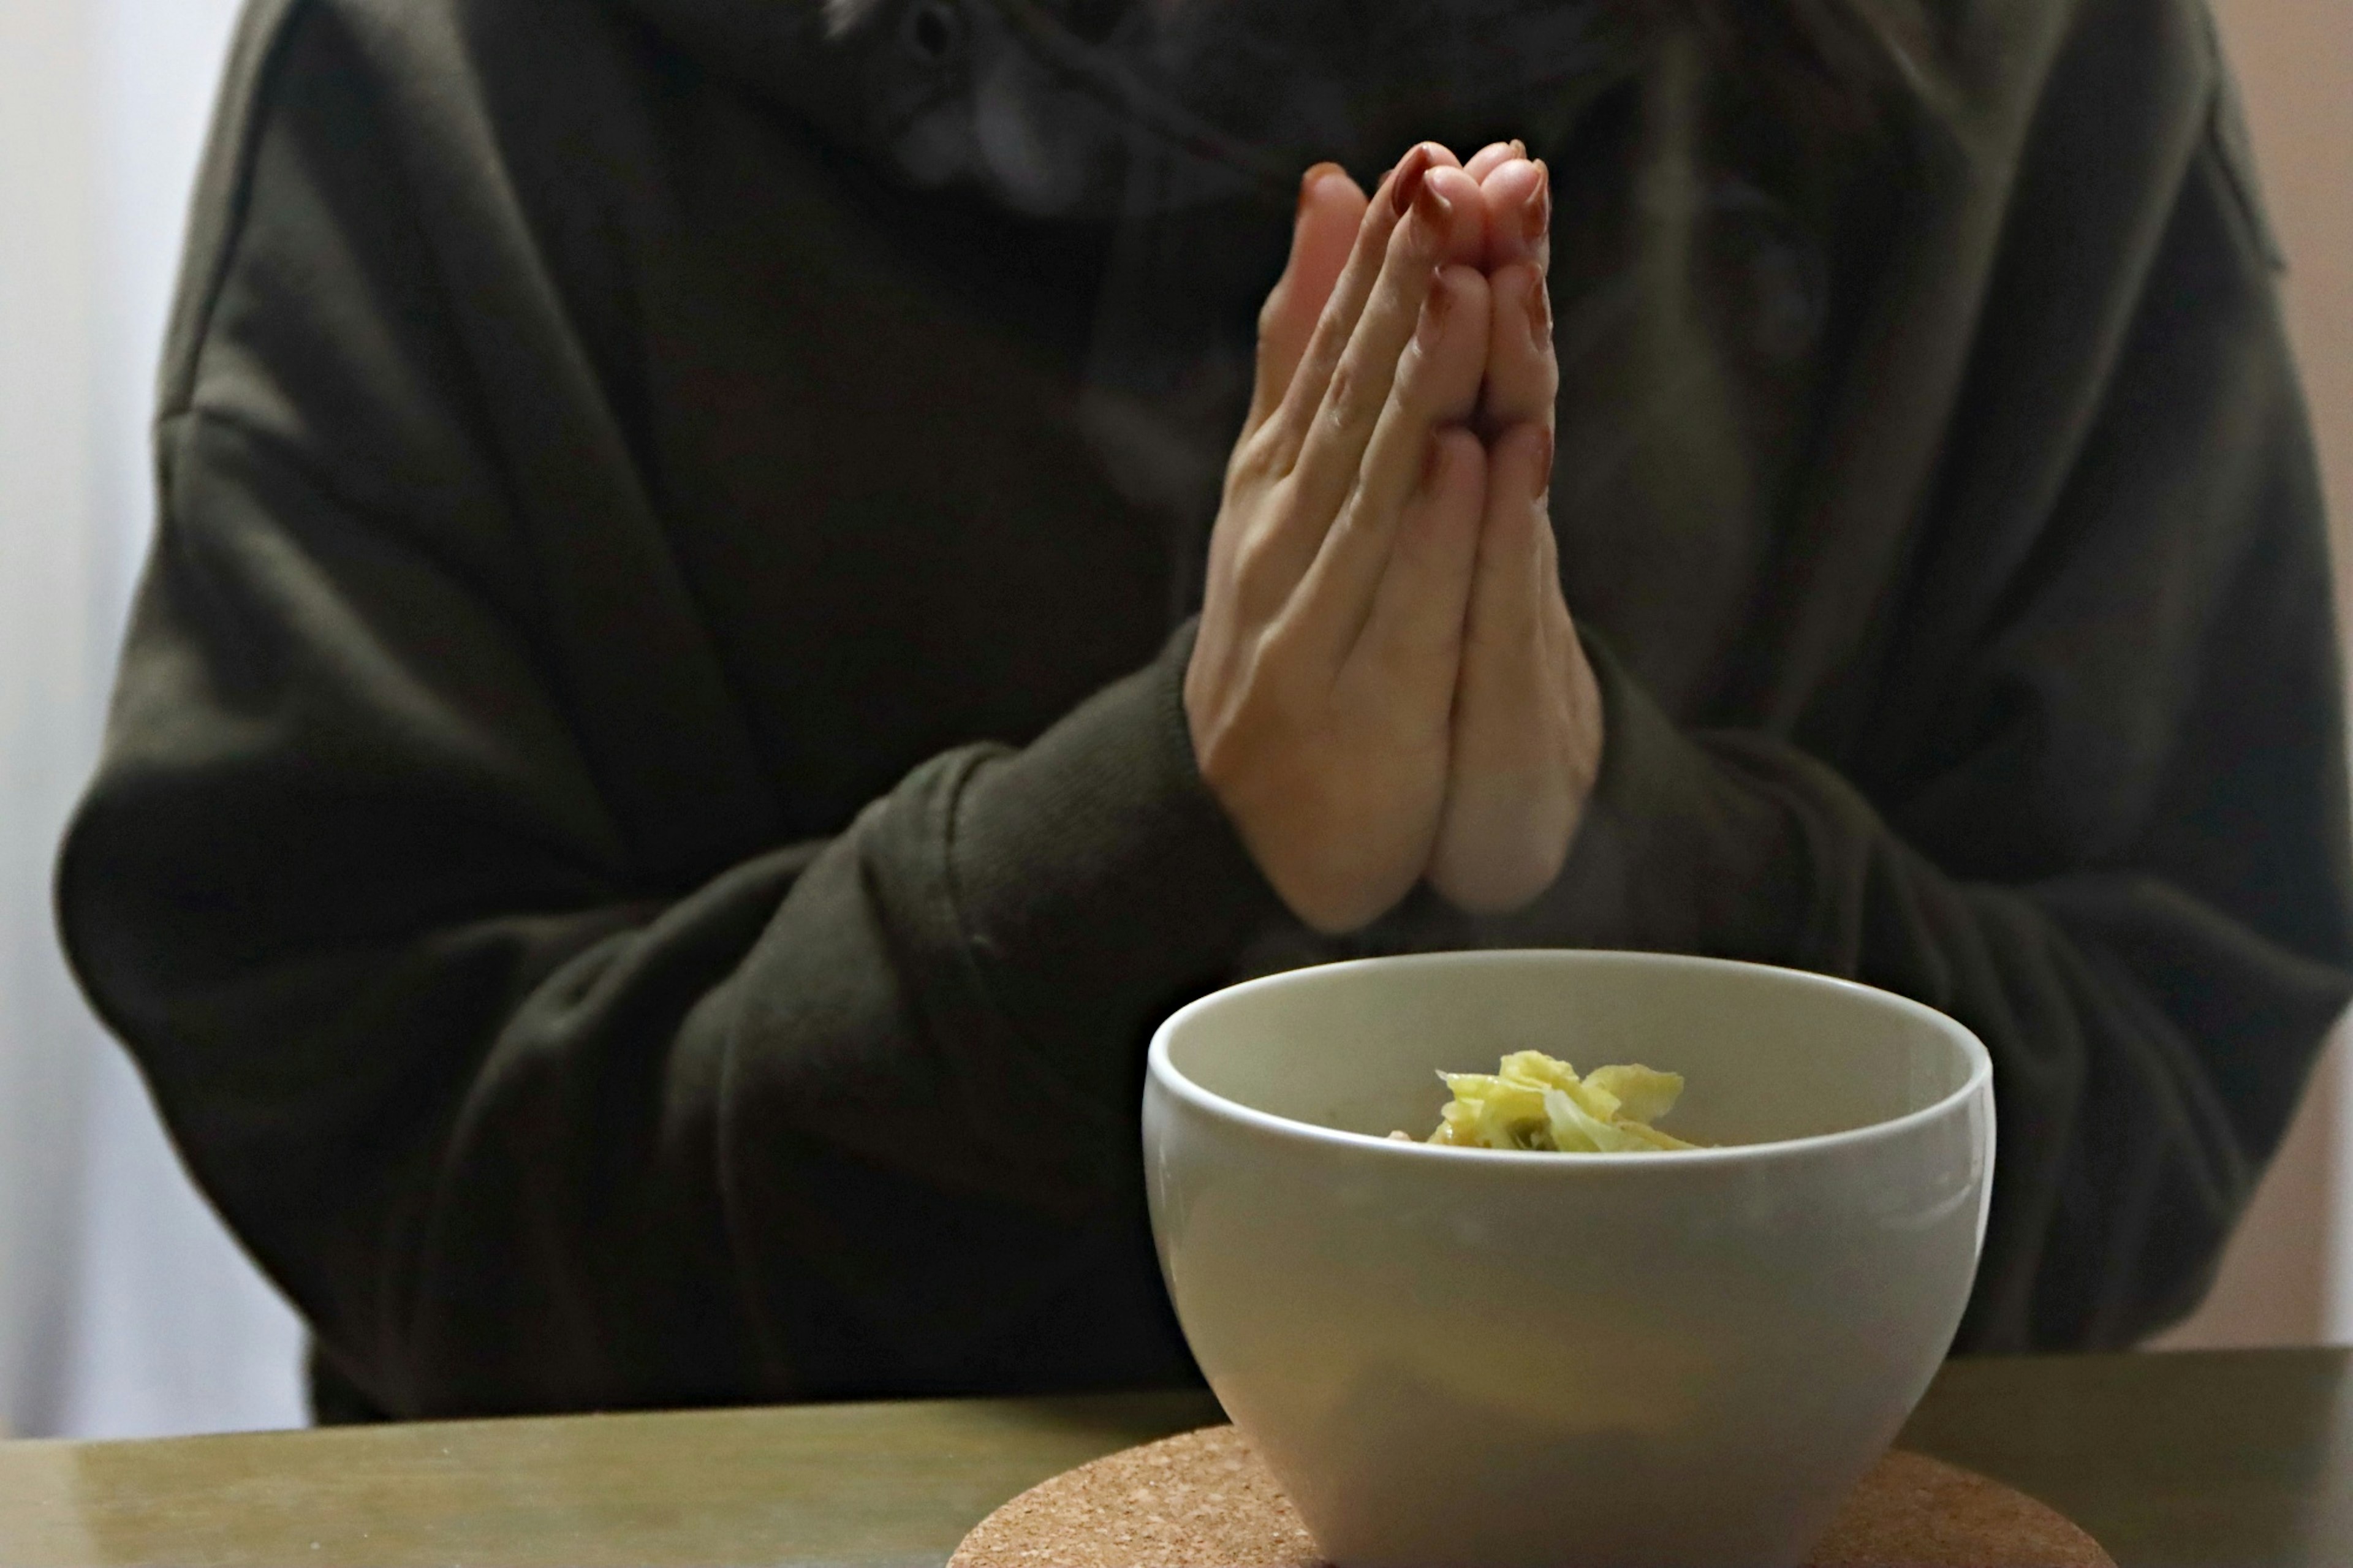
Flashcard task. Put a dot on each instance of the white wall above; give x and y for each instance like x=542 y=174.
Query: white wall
x=47 y=674
x=124 y=1308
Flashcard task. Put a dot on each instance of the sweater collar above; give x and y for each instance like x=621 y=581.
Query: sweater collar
x=1112 y=107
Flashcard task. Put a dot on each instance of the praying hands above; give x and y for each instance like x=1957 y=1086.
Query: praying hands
x=1387 y=687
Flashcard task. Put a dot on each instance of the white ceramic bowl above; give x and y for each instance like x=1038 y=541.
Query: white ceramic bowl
x=1459 y=1357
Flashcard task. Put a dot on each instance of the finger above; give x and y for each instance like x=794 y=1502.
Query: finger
x=1507 y=613
x=1492 y=156
x=1583 y=724
x=1411 y=643
x=1436 y=387
x=1331 y=211
x=1518 y=199
x=1509 y=802
x=1462 y=238
x=1579 y=693
x=1358 y=389
x=1285 y=429
x=1523 y=372
x=1310 y=453
x=1559 y=627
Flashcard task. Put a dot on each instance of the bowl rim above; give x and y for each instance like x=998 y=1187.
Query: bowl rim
x=1163 y=1072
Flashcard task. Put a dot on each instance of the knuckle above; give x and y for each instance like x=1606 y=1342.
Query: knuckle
x=1541 y=374
x=1269 y=318
x=1255 y=459
x=1346 y=389
x=1253 y=557
x=1418 y=371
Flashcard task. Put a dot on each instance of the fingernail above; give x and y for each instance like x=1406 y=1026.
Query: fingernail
x=1544 y=469
x=1409 y=171
x=1540 y=314
x=1432 y=209
x=1535 y=216
x=1307 y=183
x=1519 y=148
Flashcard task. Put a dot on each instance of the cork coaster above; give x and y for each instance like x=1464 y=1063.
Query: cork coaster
x=1204 y=1500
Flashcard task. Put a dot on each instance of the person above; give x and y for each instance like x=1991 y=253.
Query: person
x=747 y=594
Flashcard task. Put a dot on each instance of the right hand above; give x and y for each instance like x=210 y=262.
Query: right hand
x=1322 y=687
x=1529 y=722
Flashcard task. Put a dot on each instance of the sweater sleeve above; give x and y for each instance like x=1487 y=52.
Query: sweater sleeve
x=525 y=1107
x=2096 y=811
x=517 y=1130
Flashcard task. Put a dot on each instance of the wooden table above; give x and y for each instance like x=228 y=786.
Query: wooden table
x=2239 y=1460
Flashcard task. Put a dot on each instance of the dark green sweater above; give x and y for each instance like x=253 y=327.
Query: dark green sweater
x=647 y=817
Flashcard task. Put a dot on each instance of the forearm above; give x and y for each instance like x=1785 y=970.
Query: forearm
x=851 y=1116
x=2146 y=1044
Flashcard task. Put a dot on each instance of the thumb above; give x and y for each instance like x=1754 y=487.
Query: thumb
x=1330 y=210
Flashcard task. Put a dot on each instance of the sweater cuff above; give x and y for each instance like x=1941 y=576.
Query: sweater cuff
x=1100 y=883
x=1683 y=847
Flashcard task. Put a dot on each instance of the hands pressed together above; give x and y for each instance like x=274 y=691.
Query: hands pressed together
x=1387 y=686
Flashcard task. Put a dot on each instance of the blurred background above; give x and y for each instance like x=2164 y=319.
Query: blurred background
x=126 y=1310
